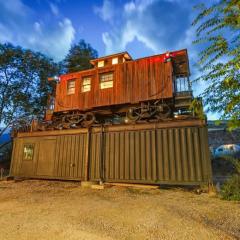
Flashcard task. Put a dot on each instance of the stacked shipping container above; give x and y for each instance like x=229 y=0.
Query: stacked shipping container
x=154 y=153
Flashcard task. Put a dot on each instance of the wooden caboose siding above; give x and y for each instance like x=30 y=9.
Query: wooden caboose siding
x=150 y=80
x=122 y=57
x=133 y=82
x=78 y=100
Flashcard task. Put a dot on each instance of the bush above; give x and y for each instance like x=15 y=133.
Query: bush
x=231 y=188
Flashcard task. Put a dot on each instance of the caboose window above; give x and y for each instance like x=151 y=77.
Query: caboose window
x=86 y=84
x=106 y=80
x=71 y=87
x=114 y=61
x=101 y=64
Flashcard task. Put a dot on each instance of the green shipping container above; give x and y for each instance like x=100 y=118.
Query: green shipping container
x=150 y=153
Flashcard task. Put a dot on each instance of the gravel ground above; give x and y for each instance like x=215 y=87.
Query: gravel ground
x=63 y=210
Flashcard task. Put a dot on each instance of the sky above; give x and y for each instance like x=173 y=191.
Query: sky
x=141 y=27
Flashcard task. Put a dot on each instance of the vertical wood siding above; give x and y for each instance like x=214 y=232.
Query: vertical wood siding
x=133 y=82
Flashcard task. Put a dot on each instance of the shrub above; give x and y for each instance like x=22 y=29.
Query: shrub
x=231 y=188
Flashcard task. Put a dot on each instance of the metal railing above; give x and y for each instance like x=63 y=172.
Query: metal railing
x=182 y=84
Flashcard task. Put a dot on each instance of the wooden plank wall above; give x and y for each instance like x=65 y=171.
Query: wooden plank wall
x=134 y=81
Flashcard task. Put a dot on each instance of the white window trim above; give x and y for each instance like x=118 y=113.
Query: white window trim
x=115 y=61
x=100 y=63
x=104 y=84
x=71 y=90
x=28 y=152
x=86 y=87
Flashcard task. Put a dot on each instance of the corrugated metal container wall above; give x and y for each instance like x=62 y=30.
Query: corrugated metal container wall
x=171 y=156
x=59 y=157
x=96 y=157
x=71 y=153
x=139 y=153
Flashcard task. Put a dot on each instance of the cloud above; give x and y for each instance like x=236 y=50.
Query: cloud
x=54 y=41
x=160 y=25
x=106 y=12
x=54 y=9
x=15 y=7
x=52 y=35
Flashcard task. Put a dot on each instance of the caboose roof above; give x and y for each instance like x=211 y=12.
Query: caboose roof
x=180 y=63
x=125 y=54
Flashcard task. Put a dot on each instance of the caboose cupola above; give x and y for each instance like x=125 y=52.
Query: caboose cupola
x=110 y=60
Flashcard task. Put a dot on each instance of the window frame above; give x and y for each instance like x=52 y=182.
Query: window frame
x=101 y=63
x=68 y=83
x=182 y=83
x=32 y=153
x=115 y=60
x=104 y=81
x=82 y=83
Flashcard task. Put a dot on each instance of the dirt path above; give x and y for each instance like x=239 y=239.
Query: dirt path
x=63 y=210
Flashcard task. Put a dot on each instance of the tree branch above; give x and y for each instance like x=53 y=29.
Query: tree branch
x=4 y=144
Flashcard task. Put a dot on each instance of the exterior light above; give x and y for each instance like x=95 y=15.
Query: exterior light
x=167 y=57
x=55 y=78
x=126 y=120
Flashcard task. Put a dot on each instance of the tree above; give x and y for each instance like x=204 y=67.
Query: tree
x=218 y=32
x=24 y=87
x=79 y=57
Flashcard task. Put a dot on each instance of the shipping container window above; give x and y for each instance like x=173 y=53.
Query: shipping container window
x=86 y=84
x=28 y=150
x=106 y=80
x=101 y=64
x=71 y=87
x=114 y=61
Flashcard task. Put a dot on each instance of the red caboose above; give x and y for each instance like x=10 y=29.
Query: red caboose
x=119 y=88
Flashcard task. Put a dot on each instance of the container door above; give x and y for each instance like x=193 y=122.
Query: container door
x=46 y=157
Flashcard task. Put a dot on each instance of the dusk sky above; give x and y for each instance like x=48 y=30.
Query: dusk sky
x=141 y=27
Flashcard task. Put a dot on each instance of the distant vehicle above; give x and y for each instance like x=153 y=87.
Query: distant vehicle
x=227 y=150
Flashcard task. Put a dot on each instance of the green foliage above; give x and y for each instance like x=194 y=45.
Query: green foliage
x=218 y=122
x=231 y=188
x=79 y=57
x=6 y=150
x=218 y=33
x=23 y=83
x=197 y=108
